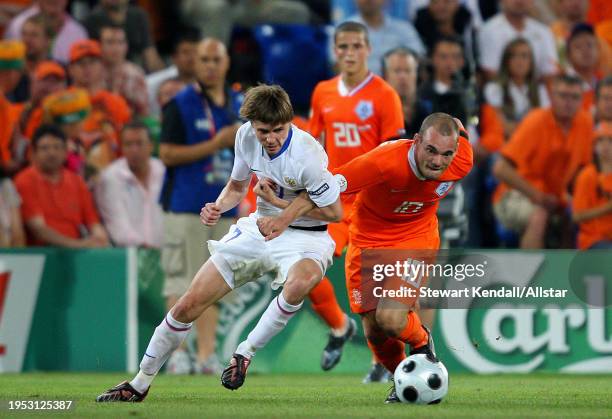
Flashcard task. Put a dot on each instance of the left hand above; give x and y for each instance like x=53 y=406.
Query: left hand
x=271 y=227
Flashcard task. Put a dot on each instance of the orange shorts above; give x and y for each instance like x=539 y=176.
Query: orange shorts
x=360 y=285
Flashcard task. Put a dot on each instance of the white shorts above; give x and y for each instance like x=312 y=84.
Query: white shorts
x=242 y=255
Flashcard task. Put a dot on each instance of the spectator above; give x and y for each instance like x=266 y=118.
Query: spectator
x=510 y=97
x=593 y=195
x=11 y=226
x=12 y=56
x=447 y=18
x=129 y=189
x=385 y=32
x=583 y=61
x=446 y=91
x=400 y=69
x=123 y=77
x=48 y=78
x=135 y=22
x=603 y=100
x=198 y=131
x=183 y=59
x=50 y=218
x=571 y=13
x=514 y=22
x=36 y=35
x=109 y=111
x=66 y=29
x=539 y=162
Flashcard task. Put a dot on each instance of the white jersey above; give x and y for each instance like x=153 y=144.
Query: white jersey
x=301 y=164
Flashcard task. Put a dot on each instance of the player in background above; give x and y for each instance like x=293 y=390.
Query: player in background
x=398 y=186
x=269 y=146
x=351 y=114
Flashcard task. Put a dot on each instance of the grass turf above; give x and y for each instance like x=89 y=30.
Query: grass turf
x=315 y=396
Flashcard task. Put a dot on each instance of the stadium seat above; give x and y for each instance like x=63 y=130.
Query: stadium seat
x=294 y=56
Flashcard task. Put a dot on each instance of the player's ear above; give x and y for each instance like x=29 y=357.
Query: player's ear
x=417 y=138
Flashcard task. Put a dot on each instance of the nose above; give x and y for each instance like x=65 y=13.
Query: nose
x=437 y=160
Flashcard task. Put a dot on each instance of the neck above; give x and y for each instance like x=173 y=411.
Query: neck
x=112 y=66
x=52 y=175
x=585 y=73
x=141 y=172
x=216 y=93
x=374 y=20
x=518 y=80
x=444 y=78
x=564 y=123
x=353 y=80
x=517 y=21
x=31 y=63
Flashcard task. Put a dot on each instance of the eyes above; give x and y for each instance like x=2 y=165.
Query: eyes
x=434 y=152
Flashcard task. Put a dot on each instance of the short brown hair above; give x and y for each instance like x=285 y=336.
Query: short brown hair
x=351 y=26
x=442 y=122
x=267 y=104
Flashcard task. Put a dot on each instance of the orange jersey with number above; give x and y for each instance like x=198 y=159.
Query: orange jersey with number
x=394 y=204
x=353 y=122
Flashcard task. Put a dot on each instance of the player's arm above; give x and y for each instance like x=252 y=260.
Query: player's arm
x=360 y=173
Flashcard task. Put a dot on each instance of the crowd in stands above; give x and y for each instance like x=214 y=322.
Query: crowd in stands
x=90 y=91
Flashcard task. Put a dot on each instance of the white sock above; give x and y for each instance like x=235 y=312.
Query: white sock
x=167 y=337
x=272 y=321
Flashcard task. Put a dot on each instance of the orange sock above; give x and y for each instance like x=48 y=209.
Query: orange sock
x=324 y=303
x=414 y=334
x=389 y=353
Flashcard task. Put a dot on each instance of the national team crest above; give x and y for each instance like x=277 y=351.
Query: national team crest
x=290 y=182
x=364 y=109
x=444 y=188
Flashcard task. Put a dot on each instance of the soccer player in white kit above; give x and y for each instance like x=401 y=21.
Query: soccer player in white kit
x=292 y=248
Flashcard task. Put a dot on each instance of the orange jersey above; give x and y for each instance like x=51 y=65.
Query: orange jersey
x=355 y=121
x=593 y=189
x=394 y=203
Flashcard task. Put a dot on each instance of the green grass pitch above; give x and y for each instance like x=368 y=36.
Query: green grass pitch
x=315 y=396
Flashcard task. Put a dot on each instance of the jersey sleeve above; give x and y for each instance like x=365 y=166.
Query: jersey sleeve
x=319 y=182
x=241 y=170
x=392 y=116
x=360 y=173
x=315 y=122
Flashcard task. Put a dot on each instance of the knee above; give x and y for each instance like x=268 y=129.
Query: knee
x=390 y=323
x=185 y=308
x=297 y=288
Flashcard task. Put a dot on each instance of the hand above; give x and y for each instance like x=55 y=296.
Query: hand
x=548 y=201
x=459 y=124
x=226 y=136
x=271 y=227
x=210 y=214
x=266 y=189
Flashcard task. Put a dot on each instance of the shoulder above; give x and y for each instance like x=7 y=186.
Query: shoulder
x=112 y=171
x=534 y=26
x=379 y=84
x=492 y=24
x=588 y=173
x=26 y=177
x=245 y=138
x=537 y=117
x=326 y=86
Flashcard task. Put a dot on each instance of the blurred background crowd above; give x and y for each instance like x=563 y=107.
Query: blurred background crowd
x=100 y=143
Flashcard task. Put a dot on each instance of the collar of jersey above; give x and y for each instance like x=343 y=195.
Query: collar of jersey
x=413 y=165
x=283 y=148
x=344 y=91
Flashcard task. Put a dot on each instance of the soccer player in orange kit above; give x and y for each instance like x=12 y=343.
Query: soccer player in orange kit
x=351 y=114
x=399 y=185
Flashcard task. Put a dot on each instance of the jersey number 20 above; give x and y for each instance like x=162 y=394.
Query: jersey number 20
x=346 y=134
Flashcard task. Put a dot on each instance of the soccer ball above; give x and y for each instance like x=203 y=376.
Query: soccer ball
x=420 y=381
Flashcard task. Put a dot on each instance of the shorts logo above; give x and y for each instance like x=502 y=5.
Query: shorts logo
x=319 y=191
x=356 y=294
x=290 y=182
x=444 y=188
x=364 y=109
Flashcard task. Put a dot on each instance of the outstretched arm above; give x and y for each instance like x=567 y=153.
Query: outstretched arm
x=230 y=196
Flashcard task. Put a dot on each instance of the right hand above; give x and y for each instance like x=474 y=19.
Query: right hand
x=210 y=214
x=226 y=136
x=265 y=189
x=548 y=201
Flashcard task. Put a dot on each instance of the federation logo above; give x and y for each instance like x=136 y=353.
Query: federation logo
x=364 y=109
x=290 y=182
x=444 y=188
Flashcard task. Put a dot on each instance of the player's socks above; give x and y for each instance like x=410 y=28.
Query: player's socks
x=273 y=320
x=390 y=352
x=324 y=303
x=414 y=334
x=167 y=337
